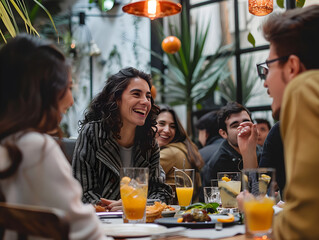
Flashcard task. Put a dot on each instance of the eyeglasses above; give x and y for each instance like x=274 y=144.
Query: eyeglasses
x=262 y=68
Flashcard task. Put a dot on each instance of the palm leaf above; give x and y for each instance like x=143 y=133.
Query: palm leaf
x=7 y=22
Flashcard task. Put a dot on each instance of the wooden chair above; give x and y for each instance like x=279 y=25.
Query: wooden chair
x=33 y=221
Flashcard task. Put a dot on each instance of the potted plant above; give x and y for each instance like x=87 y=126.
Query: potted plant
x=192 y=77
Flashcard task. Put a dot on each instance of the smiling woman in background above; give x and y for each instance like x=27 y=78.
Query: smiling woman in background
x=177 y=149
x=35 y=90
x=118 y=131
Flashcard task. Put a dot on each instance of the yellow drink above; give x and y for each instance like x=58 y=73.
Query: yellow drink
x=228 y=193
x=184 y=196
x=259 y=214
x=134 y=201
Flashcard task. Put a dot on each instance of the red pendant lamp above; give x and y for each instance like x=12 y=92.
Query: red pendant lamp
x=260 y=7
x=152 y=8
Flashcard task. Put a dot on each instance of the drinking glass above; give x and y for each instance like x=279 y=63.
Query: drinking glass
x=229 y=184
x=184 y=181
x=259 y=198
x=133 y=188
x=211 y=194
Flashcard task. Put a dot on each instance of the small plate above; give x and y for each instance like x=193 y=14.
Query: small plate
x=172 y=222
x=171 y=213
x=128 y=230
x=109 y=214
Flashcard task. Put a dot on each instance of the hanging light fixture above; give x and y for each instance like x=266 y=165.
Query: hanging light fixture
x=260 y=7
x=152 y=8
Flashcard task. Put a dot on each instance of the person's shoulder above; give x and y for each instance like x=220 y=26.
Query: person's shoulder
x=36 y=139
x=33 y=143
x=174 y=148
x=94 y=129
x=304 y=80
x=90 y=126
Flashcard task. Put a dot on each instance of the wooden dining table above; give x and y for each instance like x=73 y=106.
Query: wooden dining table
x=238 y=237
x=195 y=234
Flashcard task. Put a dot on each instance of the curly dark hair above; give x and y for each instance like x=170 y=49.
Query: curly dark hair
x=104 y=107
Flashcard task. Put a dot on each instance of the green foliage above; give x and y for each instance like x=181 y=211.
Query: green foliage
x=209 y=207
x=7 y=16
x=251 y=39
x=300 y=3
x=280 y=3
x=227 y=87
x=191 y=76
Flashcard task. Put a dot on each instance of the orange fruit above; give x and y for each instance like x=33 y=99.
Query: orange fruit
x=171 y=44
x=153 y=92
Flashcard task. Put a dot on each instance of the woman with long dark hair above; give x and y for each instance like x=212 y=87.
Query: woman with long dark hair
x=177 y=149
x=119 y=131
x=35 y=90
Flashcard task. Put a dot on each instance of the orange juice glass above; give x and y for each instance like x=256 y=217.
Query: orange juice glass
x=184 y=181
x=133 y=189
x=258 y=185
x=184 y=195
x=259 y=214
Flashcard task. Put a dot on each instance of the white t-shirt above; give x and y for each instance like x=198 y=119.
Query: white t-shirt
x=44 y=178
x=126 y=156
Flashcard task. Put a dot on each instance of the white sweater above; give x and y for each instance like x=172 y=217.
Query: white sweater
x=44 y=178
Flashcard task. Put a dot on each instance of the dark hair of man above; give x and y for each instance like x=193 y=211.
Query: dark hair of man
x=295 y=32
x=209 y=122
x=261 y=120
x=229 y=109
x=104 y=107
x=181 y=136
x=33 y=78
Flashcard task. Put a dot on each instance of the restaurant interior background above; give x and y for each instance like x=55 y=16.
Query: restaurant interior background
x=100 y=42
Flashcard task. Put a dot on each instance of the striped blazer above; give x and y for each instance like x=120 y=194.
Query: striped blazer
x=96 y=165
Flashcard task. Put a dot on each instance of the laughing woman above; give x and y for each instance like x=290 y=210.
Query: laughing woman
x=177 y=149
x=118 y=131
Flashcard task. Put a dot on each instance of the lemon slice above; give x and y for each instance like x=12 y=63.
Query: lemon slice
x=265 y=177
x=226 y=179
x=125 y=180
x=227 y=220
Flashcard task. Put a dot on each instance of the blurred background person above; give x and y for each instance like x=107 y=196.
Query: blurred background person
x=177 y=149
x=208 y=135
x=263 y=127
x=35 y=91
x=118 y=130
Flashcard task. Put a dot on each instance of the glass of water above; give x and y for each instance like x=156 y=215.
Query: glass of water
x=211 y=194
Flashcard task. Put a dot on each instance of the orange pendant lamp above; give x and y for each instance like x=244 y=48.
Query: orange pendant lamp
x=260 y=7
x=152 y=8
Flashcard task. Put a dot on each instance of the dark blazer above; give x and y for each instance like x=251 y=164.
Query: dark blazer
x=96 y=164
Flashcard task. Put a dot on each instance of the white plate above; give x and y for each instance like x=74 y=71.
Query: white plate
x=109 y=214
x=132 y=230
x=171 y=213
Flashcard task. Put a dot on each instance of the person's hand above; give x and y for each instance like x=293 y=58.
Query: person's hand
x=112 y=205
x=247 y=136
x=247 y=143
x=240 y=201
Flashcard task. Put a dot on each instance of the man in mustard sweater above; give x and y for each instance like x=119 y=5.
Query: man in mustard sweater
x=291 y=76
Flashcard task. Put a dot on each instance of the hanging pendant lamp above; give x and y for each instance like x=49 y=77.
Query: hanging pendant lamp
x=260 y=7
x=152 y=8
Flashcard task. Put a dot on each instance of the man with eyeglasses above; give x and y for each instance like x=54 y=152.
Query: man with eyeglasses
x=291 y=76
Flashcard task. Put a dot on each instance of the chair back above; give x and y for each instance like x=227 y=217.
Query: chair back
x=33 y=221
x=68 y=145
